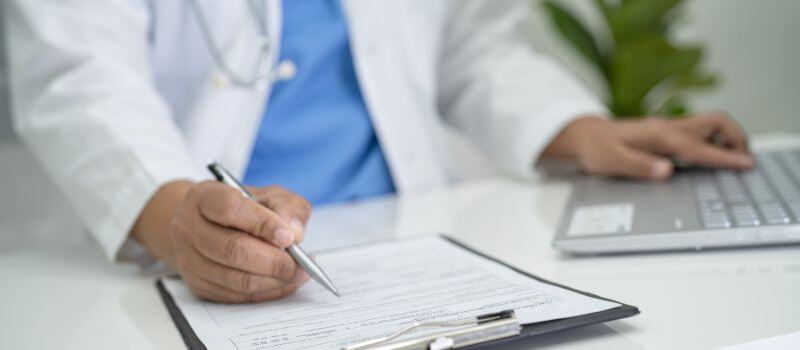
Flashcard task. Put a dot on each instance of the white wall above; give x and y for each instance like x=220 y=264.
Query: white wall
x=753 y=45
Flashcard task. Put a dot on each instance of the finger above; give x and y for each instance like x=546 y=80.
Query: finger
x=690 y=147
x=290 y=206
x=243 y=252
x=225 y=206
x=733 y=135
x=695 y=152
x=235 y=279
x=711 y=124
x=622 y=160
x=210 y=291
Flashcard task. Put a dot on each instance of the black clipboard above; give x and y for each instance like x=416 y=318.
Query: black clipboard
x=531 y=330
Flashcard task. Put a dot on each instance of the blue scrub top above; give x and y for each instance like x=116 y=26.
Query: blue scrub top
x=316 y=137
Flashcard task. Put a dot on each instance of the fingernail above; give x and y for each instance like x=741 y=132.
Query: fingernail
x=297 y=225
x=661 y=169
x=284 y=237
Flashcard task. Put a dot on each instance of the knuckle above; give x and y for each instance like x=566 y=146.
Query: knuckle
x=193 y=193
x=281 y=266
x=247 y=284
x=178 y=226
x=302 y=207
x=230 y=205
x=236 y=250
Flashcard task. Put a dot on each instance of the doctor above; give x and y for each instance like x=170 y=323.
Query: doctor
x=123 y=101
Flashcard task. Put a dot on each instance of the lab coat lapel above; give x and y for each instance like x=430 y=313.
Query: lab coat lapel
x=406 y=126
x=226 y=118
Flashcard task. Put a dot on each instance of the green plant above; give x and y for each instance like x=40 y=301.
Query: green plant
x=644 y=71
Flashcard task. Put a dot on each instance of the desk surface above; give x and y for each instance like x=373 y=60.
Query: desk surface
x=69 y=297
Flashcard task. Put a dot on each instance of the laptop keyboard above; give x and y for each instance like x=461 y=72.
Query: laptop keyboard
x=766 y=195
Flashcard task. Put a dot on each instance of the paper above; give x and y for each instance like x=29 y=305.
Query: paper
x=601 y=219
x=385 y=286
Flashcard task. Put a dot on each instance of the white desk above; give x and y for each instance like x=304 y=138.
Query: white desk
x=69 y=297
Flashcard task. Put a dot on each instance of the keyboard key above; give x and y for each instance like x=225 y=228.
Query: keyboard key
x=777 y=220
x=716 y=221
x=766 y=195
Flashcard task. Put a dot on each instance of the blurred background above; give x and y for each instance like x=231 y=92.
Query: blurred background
x=751 y=46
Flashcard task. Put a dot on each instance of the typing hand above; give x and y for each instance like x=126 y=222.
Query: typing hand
x=227 y=247
x=643 y=148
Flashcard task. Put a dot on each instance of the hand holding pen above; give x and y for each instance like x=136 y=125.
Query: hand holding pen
x=281 y=234
x=226 y=247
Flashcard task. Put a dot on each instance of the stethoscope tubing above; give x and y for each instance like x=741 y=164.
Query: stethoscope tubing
x=264 y=72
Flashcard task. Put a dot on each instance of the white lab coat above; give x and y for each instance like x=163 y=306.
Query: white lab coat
x=118 y=97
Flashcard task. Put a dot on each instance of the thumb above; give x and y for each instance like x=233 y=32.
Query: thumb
x=631 y=162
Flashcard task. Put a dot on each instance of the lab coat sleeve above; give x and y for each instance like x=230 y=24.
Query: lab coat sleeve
x=493 y=87
x=84 y=102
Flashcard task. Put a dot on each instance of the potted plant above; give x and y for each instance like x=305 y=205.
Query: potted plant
x=644 y=71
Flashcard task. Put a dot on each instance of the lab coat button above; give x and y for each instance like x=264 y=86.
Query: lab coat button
x=286 y=70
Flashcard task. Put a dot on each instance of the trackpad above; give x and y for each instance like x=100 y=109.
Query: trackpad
x=608 y=207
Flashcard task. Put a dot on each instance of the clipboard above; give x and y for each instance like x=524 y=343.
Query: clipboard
x=526 y=331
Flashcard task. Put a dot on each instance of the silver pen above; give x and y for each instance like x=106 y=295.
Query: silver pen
x=294 y=250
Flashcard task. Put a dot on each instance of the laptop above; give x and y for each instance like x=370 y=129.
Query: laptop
x=696 y=209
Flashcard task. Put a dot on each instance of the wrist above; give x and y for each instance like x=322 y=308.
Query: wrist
x=152 y=226
x=573 y=139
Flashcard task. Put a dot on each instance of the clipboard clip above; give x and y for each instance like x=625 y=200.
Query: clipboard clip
x=460 y=334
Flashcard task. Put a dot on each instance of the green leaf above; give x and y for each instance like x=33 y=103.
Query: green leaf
x=644 y=71
x=642 y=65
x=692 y=80
x=631 y=19
x=577 y=35
x=673 y=108
x=603 y=7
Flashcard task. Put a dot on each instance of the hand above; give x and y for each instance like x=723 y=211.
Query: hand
x=226 y=247
x=642 y=148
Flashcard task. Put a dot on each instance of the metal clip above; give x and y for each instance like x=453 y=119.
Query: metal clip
x=463 y=333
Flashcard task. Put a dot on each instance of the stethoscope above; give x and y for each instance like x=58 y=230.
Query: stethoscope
x=264 y=73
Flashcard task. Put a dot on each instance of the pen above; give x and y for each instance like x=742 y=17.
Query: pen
x=294 y=250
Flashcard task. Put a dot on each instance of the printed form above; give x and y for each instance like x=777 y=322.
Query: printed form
x=385 y=286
